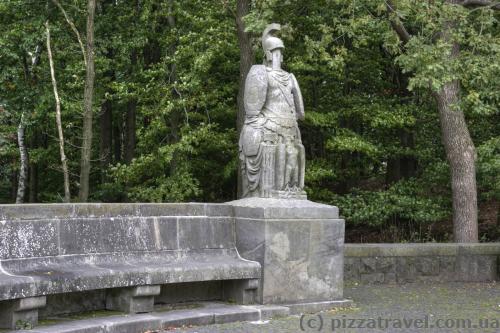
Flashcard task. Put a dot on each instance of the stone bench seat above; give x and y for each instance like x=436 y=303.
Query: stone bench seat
x=44 y=276
x=130 y=259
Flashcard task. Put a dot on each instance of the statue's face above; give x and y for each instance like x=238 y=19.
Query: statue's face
x=277 y=58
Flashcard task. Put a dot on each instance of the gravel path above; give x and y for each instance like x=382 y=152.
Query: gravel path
x=462 y=307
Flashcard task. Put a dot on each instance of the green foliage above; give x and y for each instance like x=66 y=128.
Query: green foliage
x=371 y=131
x=405 y=200
x=489 y=168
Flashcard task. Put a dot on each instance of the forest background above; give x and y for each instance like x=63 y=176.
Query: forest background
x=140 y=100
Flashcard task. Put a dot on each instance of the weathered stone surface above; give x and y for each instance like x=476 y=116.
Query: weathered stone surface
x=206 y=233
x=368 y=265
x=13 y=212
x=204 y=313
x=302 y=258
x=390 y=277
x=19 y=313
x=259 y=208
x=400 y=250
x=406 y=270
x=476 y=268
x=369 y=278
x=240 y=291
x=427 y=266
x=227 y=315
x=143 y=323
x=386 y=265
x=192 y=291
x=182 y=318
x=82 y=273
x=33 y=238
x=430 y=262
x=61 y=304
x=74 y=254
x=132 y=300
x=272 y=311
x=313 y=307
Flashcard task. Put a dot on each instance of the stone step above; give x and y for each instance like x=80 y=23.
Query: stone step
x=204 y=313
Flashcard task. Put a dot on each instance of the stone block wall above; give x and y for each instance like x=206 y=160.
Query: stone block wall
x=426 y=262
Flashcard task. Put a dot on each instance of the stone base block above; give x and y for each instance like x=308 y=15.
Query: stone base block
x=299 y=245
x=132 y=300
x=21 y=313
x=241 y=291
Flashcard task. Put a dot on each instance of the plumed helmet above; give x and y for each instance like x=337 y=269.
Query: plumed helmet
x=270 y=42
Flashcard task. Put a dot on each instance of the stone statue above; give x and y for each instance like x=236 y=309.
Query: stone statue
x=270 y=148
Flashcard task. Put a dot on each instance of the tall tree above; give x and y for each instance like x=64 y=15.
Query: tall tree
x=64 y=162
x=23 y=170
x=88 y=96
x=456 y=138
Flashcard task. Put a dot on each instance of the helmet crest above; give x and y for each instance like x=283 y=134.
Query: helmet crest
x=269 y=41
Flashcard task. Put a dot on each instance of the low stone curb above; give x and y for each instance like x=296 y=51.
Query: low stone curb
x=209 y=313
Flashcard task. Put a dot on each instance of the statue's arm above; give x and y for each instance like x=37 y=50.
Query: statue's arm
x=297 y=97
x=255 y=93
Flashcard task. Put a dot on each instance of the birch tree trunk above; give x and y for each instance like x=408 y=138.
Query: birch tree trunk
x=88 y=95
x=23 y=170
x=64 y=163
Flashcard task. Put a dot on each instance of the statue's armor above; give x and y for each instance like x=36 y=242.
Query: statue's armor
x=279 y=109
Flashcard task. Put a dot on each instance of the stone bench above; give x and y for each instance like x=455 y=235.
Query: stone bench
x=128 y=252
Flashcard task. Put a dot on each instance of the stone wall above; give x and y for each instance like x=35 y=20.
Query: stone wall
x=426 y=262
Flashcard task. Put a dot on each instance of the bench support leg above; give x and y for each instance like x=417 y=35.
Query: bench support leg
x=241 y=291
x=21 y=313
x=132 y=300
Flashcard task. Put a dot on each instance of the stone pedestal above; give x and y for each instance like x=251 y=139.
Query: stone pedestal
x=240 y=291
x=138 y=299
x=21 y=313
x=299 y=244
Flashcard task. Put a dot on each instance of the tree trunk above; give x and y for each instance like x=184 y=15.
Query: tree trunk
x=247 y=59
x=33 y=183
x=64 y=163
x=105 y=131
x=88 y=95
x=23 y=170
x=130 y=139
x=461 y=155
x=117 y=137
x=460 y=151
x=13 y=181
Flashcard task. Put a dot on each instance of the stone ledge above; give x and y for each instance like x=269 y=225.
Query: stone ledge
x=312 y=307
x=267 y=208
x=209 y=313
x=420 y=249
x=76 y=210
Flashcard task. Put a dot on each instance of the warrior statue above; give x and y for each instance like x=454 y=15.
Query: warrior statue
x=271 y=151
